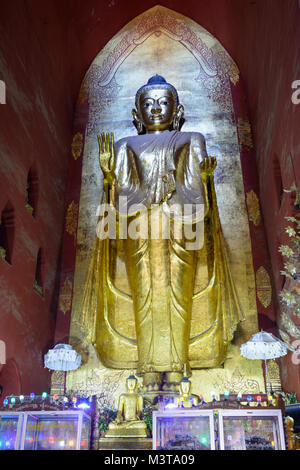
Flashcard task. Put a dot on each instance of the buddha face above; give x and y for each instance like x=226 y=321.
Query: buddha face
x=157 y=109
x=185 y=387
x=131 y=384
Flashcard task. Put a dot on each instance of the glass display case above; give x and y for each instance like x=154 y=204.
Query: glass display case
x=255 y=429
x=10 y=430
x=56 y=430
x=183 y=429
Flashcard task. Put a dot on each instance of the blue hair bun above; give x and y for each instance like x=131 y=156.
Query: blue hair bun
x=157 y=80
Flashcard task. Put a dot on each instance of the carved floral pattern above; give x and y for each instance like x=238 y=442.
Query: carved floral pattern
x=237 y=383
x=253 y=207
x=83 y=95
x=104 y=386
x=263 y=287
x=65 y=298
x=77 y=145
x=245 y=134
x=100 y=96
x=71 y=218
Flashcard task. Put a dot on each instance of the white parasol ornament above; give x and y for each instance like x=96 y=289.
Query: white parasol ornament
x=264 y=346
x=62 y=357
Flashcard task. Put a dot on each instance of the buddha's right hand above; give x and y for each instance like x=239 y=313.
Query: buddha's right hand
x=107 y=156
x=208 y=165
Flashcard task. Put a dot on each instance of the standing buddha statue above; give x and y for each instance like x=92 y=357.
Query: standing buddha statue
x=159 y=173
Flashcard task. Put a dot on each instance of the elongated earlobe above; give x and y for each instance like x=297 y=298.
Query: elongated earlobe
x=137 y=121
x=177 y=118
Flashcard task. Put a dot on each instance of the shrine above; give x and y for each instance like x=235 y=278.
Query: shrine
x=150 y=226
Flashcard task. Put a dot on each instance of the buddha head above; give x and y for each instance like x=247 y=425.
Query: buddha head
x=185 y=386
x=157 y=107
x=131 y=383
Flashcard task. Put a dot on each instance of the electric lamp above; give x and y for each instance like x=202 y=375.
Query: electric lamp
x=258 y=399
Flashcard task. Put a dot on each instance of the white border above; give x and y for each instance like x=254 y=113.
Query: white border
x=186 y=413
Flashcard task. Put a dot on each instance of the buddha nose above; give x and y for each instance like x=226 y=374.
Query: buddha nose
x=156 y=109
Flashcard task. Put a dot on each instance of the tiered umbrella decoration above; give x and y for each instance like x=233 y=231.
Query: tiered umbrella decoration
x=62 y=357
x=264 y=346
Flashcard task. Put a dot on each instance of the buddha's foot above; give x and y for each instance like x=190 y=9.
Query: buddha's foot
x=152 y=381
x=171 y=381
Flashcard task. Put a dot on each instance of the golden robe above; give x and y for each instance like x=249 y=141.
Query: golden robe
x=159 y=175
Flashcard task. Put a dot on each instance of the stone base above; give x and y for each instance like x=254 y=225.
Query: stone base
x=127 y=432
x=154 y=397
x=125 y=443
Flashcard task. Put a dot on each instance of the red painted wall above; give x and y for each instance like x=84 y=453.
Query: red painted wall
x=45 y=50
x=35 y=128
x=269 y=61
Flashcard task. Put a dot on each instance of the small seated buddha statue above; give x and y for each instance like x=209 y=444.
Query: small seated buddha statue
x=128 y=422
x=185 y=398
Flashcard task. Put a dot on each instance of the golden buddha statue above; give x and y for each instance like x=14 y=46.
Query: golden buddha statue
x=128 y=422
x=185 y=398
x=164 y=175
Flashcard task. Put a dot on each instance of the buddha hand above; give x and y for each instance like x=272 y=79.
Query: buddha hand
x=107 y=156
x=208 y=165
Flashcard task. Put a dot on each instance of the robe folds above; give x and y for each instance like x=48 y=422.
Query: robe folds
x=160 y=294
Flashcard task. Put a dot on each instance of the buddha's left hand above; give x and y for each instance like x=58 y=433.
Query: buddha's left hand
x=208 y=165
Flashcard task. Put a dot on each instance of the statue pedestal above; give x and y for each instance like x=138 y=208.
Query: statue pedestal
x=125 y=443
x=137 y=431
x=155 y=397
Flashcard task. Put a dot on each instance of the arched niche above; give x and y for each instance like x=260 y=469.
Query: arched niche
x=32 y=189
x=10 y=379
x=39 y=278
x=7 y=232
x=167 y=43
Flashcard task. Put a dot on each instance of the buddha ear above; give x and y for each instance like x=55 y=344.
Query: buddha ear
x=178 y=117
x=137 y=121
